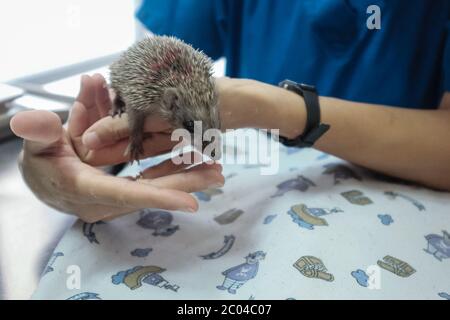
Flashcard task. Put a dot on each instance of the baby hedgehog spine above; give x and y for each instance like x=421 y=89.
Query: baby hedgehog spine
x=166 y=77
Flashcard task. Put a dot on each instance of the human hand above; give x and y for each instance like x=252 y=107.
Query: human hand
x=51 y=164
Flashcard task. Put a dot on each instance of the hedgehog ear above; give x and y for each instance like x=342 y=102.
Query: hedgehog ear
x=172 y=98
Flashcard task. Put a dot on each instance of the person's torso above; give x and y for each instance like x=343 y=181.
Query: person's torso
x=328 y=44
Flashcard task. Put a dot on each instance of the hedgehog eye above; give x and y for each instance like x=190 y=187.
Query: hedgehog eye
x=189 y=126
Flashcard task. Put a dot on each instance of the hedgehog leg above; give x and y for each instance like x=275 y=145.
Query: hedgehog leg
x=135 y=148
x=118 y=107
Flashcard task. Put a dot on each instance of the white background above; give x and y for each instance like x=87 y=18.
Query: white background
x=46 y=34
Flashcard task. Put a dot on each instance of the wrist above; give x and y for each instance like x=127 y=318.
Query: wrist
x=237 y=105
x=253 y=104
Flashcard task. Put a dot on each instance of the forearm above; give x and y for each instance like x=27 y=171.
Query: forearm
x=406 y=143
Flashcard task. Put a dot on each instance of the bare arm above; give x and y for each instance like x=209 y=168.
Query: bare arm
x=405 y=143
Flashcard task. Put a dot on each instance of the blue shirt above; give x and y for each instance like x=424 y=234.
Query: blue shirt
x=321 y=42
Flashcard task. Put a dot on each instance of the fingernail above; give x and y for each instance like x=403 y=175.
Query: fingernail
x=210 y=162
x=91 y=140
x=188 y=209
x=215 y=185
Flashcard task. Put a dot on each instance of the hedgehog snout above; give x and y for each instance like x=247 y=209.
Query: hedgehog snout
x=189 y=126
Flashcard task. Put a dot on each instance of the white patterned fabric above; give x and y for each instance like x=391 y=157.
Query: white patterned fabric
x=319 y=229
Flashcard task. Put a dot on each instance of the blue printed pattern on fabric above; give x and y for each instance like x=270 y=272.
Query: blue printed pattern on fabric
x=326 y=230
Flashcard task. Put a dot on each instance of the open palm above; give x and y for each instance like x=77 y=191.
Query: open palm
x=54 y=163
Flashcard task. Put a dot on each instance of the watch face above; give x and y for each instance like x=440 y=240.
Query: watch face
x=292 y=86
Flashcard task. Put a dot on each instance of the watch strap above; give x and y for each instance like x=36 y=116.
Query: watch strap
x=313 y=129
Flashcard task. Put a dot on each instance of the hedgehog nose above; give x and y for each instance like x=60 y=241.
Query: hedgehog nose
x=204 y=145
x=189 y=126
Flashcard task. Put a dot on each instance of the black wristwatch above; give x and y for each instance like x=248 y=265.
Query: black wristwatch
x=314 y=129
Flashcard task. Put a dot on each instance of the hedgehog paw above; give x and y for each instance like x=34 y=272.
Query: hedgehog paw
x=133 y=152
x=117 y=107
x=117 y=112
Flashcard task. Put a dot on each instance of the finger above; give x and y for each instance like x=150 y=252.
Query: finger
x=191 y=180
x=170 y=166
x=96 y=213
x=110 y=130
x=210 y=166
x=120 y=192
x=86 y=95
x=106 y=131
x=90 y=105
x=87 y=98
x=163 y=169
x=156 y=145
x=40 y=129
x=102 y=97
x=78 y=120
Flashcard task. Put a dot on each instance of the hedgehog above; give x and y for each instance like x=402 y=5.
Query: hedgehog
x=165 y=77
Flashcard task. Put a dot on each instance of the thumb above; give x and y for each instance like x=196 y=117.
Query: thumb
x=40 y=129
